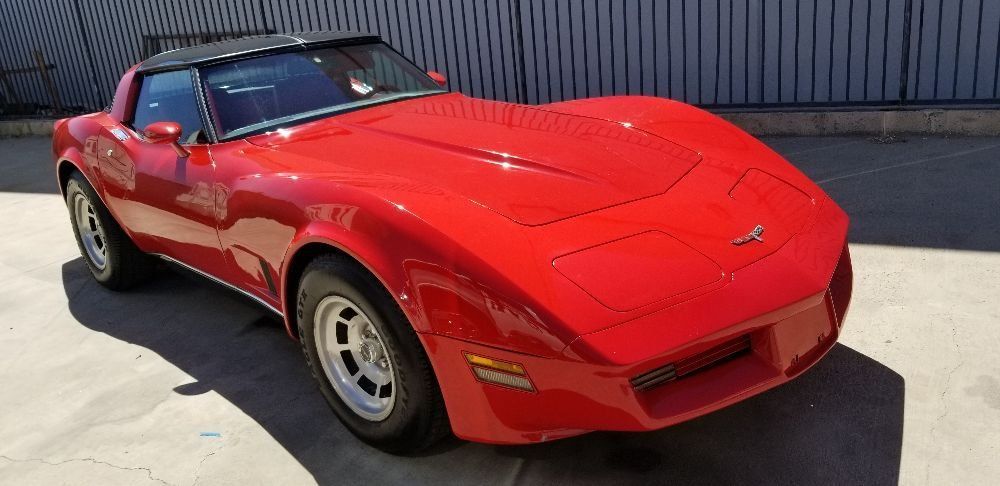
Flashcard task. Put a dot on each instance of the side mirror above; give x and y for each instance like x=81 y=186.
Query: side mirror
x=438 y=78
x=165 y=132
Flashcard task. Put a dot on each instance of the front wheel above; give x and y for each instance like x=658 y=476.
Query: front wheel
x=112 y=258
x=366 y=358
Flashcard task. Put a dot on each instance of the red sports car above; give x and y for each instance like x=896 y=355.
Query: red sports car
x=508 y=273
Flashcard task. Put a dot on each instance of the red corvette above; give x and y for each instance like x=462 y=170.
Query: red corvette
x=509 y=273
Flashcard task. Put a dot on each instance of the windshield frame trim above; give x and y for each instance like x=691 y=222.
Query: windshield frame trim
x=327 y=113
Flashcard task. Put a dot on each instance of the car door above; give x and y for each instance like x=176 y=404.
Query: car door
x=166 y=201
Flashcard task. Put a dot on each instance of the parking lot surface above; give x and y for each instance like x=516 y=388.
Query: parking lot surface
x=180 y=382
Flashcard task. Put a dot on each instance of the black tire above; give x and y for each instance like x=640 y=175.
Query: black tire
x=125 y=265
x=418 y=418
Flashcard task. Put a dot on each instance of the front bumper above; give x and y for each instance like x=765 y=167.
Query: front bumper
x=790 y=305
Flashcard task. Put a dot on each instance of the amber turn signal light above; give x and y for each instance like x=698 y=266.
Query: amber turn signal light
x=497 y=372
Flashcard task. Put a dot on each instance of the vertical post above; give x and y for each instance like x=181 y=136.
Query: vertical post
x=263 y=18
x=87 y=51
x=8 y=88
x=522 y=77
x=43 y=70
x=904 y=60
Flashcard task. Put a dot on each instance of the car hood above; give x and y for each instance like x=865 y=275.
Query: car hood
x=530 y=165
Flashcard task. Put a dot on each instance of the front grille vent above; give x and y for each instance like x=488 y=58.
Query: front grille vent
x=692 y=364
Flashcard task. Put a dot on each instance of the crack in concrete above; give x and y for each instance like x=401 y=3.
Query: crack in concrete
x=149 y=472
x=944 y=392
x=197 y=471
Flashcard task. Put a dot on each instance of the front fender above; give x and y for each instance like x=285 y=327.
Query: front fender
x=362 y=249
x=442 y=287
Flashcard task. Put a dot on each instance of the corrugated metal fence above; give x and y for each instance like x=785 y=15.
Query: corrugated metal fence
x=715 y=53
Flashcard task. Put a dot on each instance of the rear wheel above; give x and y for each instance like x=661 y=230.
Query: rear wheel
x=366 y=358
x=112 y=258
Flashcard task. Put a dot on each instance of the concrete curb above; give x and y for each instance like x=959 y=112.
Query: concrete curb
x=980 y=123
x=26 y=128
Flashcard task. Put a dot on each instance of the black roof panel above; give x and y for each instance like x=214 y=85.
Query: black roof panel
x=214 y=51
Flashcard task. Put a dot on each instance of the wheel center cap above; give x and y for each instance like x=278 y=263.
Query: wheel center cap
x=370 y=350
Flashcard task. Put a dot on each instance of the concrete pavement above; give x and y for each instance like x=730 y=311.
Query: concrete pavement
x=104 y=388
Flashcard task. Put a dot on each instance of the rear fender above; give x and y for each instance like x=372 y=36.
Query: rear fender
x=69 y=160
x=74 y=147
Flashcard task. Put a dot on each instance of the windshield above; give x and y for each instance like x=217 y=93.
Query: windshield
x=264 y=93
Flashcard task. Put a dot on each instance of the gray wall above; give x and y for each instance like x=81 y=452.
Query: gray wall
x=717 y=53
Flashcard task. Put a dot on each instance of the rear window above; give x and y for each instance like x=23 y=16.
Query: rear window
x=264 y=93
x=169 y=97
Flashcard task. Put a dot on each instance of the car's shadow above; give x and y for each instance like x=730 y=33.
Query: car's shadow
x=841 y=422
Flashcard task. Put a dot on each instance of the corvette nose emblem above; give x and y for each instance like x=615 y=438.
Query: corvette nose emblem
x=753 y=235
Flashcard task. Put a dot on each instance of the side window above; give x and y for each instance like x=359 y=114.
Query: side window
x=169 y=97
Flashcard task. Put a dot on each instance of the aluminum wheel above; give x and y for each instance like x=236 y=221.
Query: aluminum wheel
x=354 y=358
x=92 y=234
